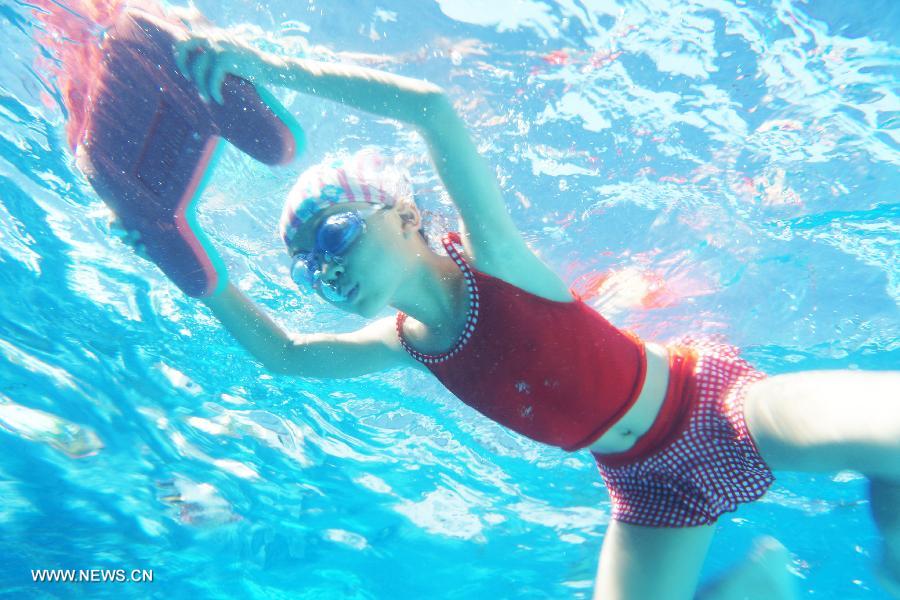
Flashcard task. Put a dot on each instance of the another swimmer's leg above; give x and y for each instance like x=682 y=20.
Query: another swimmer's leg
x=821 y=421
x=762 y=574
x=885 y=503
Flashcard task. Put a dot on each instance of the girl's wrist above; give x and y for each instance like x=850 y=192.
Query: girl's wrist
x=220 y=291
x=272 y=68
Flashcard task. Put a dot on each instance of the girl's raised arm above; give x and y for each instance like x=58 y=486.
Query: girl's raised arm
x=492 y=235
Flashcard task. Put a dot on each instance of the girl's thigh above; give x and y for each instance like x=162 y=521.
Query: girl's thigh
x=827 y=421
x=663 y=563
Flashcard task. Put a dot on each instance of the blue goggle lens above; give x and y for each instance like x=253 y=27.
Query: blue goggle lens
x=304 y=269
x=336 y=233
x=334 y=236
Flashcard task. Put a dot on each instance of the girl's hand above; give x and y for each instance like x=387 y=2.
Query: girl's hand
x=129 y=237
x=205 y=56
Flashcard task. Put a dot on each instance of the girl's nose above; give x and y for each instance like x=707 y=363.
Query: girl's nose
x=331 y=272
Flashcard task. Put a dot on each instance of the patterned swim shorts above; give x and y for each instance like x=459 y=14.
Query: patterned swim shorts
x=706 y=469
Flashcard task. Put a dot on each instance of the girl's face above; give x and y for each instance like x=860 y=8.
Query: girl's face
x=374 y=265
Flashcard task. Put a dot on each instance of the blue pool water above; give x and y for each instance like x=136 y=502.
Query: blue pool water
x=733 y=165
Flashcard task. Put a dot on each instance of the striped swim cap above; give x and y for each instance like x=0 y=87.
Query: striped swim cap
x=364 y=176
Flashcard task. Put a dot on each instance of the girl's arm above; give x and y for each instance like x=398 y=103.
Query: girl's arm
x=372 y=348
x=493 y=238
x=324 y=355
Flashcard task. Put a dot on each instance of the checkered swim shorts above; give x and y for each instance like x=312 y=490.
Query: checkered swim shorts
x=709 y=467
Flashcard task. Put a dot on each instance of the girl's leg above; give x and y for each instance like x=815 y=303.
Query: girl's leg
x=637 y=563
x=832 y=421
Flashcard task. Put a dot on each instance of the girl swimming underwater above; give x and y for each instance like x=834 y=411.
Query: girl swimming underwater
x=681 y=433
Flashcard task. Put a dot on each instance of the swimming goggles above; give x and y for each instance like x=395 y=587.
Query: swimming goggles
x=334 y=236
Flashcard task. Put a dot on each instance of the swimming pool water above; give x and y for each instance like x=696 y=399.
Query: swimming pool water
x=727 y=168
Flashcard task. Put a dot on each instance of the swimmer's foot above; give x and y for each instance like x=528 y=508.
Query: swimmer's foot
x=763 y=575
x=887 y=572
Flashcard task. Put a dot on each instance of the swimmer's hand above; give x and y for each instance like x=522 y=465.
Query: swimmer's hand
x=206 y=55
x=129 y=236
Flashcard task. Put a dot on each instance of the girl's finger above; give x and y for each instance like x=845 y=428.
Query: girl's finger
x=216 y=80
x=199 y=72
x=182 y=52
x=179 y=51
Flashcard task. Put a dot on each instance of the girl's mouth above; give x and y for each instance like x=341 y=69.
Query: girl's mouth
x=353 y=292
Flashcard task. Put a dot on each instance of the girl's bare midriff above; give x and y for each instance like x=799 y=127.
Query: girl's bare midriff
x=637 y=421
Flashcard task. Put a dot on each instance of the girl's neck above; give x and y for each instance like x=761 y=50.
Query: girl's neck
x=434 y=294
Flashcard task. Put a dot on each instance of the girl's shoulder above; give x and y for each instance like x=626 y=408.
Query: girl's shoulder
x=520 y=267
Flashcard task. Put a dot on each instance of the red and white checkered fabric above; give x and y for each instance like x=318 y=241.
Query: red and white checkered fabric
x=710 y=467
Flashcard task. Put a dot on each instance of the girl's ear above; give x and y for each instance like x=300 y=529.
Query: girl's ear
x=410 y=218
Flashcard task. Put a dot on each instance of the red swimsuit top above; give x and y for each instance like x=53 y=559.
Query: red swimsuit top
x=557 y=372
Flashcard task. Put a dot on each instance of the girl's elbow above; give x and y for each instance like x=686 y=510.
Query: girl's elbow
x=286 y=359
x=279 y=368
x=436 y=107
